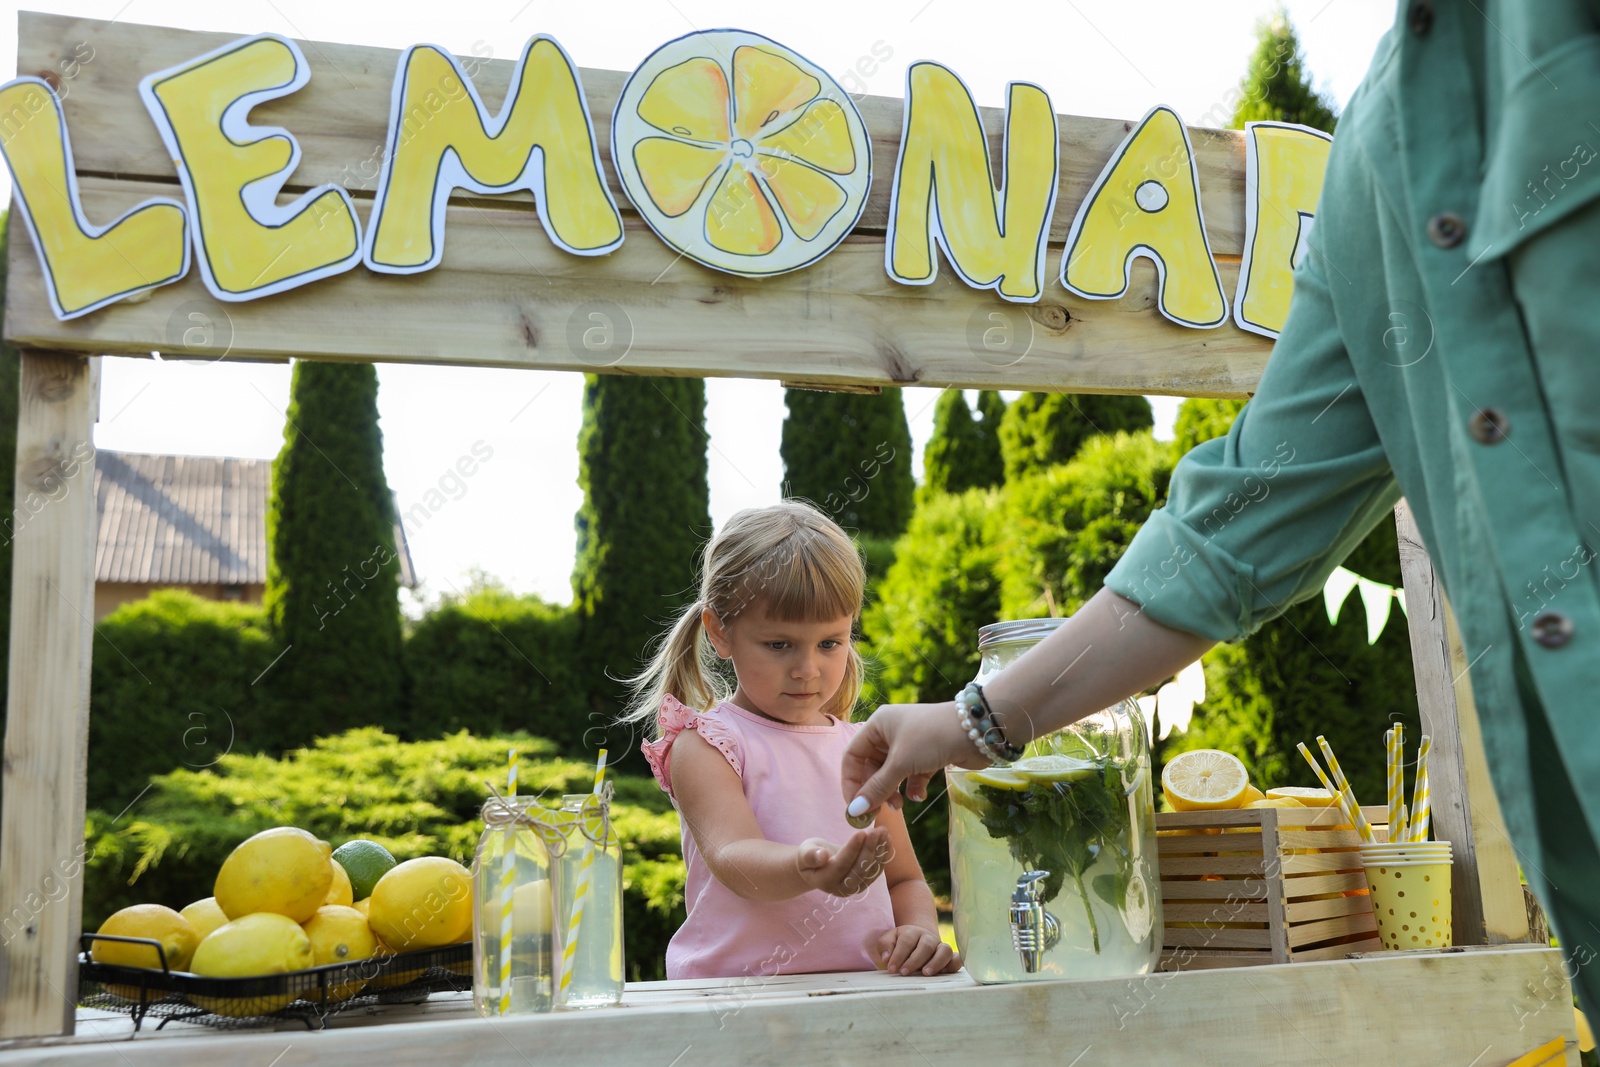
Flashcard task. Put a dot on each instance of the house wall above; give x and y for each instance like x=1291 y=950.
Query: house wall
x=109 y=596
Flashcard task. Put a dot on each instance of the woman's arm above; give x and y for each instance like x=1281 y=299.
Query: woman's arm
x=1109 y=649
x=712 y=804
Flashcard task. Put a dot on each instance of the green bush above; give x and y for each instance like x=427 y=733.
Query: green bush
x=1041 y=430
x=850 y=454
x=491 y=662
x=1066 y=526
x=171 y=687
x=417 y=799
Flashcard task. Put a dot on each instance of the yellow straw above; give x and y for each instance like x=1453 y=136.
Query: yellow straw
x=1343 y=801
x=1421 y=801
x=508 y=868
x=1394 y=744
x=569 y=952
x=1357 y=819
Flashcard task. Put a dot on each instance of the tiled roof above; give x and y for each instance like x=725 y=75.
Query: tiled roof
x=185 y=520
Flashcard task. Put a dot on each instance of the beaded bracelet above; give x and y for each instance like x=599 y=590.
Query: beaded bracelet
x=981 y=726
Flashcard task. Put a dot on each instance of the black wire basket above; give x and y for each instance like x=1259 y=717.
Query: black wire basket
x=309 y=996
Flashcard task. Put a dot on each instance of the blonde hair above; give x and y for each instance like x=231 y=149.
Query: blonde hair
x=789 y=557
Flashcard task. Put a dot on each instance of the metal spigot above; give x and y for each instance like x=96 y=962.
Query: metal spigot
x=1034 y=931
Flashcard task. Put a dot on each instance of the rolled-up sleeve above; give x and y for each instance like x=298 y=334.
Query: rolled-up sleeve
x=1257 y=520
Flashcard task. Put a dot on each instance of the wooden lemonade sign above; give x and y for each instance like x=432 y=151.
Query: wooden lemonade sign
x=737 y=155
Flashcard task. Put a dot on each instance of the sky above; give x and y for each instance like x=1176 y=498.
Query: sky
x=512 y=519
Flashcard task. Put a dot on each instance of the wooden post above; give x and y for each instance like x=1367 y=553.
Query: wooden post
x=47 y=721
x=1489 y=908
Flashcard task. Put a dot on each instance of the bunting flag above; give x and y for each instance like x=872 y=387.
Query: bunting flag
x=1376 y=597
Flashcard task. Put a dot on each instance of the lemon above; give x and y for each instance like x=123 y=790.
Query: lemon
x=261 y=943
x=1203 y=779
x=282 y=870
x=1053 y=768
x=1308 y=797
x=204 y=916
x=1250 y=796
x=422 y=903
x=1000 y=778
x=1274 y=802
x=340 y=935
x=365 y=862
x=741 y=154
x=152 y=921
x=1585 y=1035
x=362 y=905
x=339 y=890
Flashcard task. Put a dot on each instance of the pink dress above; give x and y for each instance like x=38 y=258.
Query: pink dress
x=791 y=779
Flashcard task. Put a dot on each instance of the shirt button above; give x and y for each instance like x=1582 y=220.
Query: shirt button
x=1447 y=229
x=1489 y=426
x=1552 y=629
x=1420 y=18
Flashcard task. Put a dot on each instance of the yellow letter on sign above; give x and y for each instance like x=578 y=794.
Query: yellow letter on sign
x=248 y=244
x=944 y=190
x=441 y=137
x=1146 y=202
x=85 y=266
x=1283 y=165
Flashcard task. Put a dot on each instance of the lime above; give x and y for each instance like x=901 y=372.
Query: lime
x=365 y=862
x=1000 y=778
x=1053 y=768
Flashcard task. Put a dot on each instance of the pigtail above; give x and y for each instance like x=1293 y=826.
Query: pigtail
x=682 y=667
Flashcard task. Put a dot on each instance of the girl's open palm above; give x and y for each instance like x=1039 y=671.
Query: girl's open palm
x=844 y=870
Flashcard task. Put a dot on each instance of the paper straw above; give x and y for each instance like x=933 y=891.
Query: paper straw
x=580 y=889
x=1343 y=801
x=1421 y=801
x=1357 y=819
x=1404 y=824
x=1394 y=784
x=508 y=870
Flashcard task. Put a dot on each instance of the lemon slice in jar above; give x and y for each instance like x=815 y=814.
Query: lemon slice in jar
x=1053 y=768
x=1000 y=778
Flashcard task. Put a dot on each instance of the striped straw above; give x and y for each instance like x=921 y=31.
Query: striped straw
x=580 y=890
x=1421 y=801
x=1357 y=819
x=508 y=870
x=1344 y=802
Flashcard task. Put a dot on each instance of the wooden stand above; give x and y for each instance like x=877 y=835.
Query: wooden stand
x=840 y=324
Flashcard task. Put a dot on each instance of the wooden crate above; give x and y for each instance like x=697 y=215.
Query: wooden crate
x=1263 y=885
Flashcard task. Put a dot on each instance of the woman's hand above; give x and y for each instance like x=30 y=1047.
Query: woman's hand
x=904 y=742
x=843 y=871
x=907 y=949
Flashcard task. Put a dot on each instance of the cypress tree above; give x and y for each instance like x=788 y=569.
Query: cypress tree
x=992 y=408
x=333 y=572
x=1276 y=86
x=951 y=461
x=850 y=454
x=1041 y=430
x=646 y=512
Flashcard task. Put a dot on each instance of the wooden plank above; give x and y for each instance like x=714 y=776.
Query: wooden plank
x=1487 y=901
x=1202 y=865
x=504 y=296
x=47 y=722
x=1328 y=929
x=1312 y=884
x=1187 y=891
x=1197 y=960
x=1323 y=840
x=1322 y=861
x=1336 y=952
x=1277 y=918
x=1236 y=841
x=340 y=118
x=1308 y=910
x=1216 y=911
x=1216 y=937
x=1496 y=1015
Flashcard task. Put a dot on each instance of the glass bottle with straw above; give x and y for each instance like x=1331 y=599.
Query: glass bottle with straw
x=513 y=917
x=589 y=874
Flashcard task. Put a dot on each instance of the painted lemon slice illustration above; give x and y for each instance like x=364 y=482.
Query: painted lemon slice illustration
x=741 y=154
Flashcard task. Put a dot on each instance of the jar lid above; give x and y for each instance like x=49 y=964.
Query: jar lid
x=1005 y=633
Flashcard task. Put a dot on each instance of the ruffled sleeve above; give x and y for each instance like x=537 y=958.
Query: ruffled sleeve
x=674 y=718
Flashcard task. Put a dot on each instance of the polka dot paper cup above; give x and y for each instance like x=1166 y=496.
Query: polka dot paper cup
x=1411 y=901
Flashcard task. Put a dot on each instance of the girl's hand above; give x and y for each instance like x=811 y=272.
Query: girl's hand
x=843 y=871
x=908 y=949
x=904 y=741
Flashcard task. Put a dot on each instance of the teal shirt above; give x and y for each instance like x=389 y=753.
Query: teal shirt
x=1443 y=344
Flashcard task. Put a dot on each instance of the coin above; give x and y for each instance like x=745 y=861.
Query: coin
x=861 y=822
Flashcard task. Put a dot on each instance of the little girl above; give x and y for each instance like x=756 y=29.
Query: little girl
x=778 y=881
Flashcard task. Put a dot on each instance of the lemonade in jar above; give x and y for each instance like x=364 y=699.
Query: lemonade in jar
x=1053 y=857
